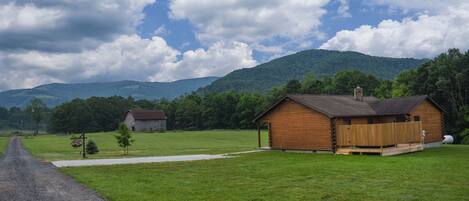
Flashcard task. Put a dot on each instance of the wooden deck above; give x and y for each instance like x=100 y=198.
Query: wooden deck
x=387 y=151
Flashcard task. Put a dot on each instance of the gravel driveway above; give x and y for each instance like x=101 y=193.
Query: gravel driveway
x=24 y=178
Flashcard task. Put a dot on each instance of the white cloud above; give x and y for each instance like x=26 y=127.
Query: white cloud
x=27 y=17
x=417 y=5
x=250 y=21
x=424 y=36
x=66 y=26
x=343 y=9
x=161 y=31
x=127 y=57
x=218 y=60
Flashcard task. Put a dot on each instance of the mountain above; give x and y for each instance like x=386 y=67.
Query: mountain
x=54 y=94
x=322 y=63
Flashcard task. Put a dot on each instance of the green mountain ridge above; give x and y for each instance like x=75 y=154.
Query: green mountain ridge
x=320 y=62
x=57 y=93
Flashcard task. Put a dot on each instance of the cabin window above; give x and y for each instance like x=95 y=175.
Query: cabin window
x=416 y=118
x=371 y=120
x=347 y=121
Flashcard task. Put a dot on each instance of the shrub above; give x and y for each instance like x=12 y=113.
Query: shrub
x=464 y=135
x=91 y=147
x=465 y=140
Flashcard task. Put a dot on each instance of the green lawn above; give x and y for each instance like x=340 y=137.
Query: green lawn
x=57 y=147
x=434 y=174
x=3 y=144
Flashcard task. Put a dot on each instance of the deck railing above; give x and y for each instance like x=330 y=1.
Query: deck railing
x=379 y=135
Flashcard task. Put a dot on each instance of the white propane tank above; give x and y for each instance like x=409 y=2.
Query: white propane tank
x=448 y=139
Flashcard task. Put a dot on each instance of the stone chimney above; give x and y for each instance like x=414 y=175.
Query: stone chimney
x=358 y=93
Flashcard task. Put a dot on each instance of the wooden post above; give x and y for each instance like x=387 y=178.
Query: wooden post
x=83 y=144
x=333 y=135
x=269 y=127
x=258 y=135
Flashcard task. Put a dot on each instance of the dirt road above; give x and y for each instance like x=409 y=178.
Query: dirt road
x=24 y=178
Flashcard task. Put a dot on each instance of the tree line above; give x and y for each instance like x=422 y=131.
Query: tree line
x=445 y=79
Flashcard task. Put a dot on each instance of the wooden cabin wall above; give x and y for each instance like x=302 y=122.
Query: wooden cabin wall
x=354 y=120
x=431 y=118
x=294 y=126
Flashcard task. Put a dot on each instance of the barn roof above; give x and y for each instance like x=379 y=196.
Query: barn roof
x=347 y=106
x=140 y=114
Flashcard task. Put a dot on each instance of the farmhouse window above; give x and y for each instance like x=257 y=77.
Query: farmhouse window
x=416 y=118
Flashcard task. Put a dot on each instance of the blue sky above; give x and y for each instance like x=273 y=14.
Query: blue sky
x=49 y=41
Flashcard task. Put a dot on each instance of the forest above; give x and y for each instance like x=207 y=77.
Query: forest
x=443 y=78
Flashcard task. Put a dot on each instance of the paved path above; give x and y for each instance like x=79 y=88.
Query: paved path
x=158 y=159
x=23 y=178
x=155 y=159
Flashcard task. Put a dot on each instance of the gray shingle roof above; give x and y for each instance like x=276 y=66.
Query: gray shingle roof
x=336 y=106
x=140 y=114
x=395 y=106
x=347 y=106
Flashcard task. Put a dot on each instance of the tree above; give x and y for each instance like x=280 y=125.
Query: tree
x=72 y=117
x=3 y=113
x=384 y=89
x=345 y=81
x=311 y=85
x=124 y=139
x=36 y=109
x=293 y=86
x=445 y=80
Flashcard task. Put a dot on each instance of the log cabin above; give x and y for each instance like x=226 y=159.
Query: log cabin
x=331 y=122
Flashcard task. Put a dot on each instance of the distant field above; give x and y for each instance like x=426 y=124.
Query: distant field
x=57 y=147
x=3 y=144
x=435 y=174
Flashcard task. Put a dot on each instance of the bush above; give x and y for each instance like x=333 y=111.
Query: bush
x=465 y=140
x=91 y=147
x=464 y=135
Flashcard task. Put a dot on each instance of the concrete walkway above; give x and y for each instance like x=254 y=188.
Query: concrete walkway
x=117 y=161
x=153 y=159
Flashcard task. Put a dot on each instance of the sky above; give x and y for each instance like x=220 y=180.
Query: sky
x=70 y=41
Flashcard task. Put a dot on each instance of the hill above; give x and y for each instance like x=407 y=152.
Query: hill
x=54 y=94
x=263 y=77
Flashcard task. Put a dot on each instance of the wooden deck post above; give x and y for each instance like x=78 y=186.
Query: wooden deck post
x=258 y=135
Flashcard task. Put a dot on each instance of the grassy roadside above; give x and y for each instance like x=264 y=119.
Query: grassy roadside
x=3 y=144
x=435 y=174
x=53 y=147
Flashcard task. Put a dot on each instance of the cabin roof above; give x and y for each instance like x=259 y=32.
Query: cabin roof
x=141 y=114
x=347 y=106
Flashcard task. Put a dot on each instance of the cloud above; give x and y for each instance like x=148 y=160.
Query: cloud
x=161 y=31
x=66 y=26
x=218 y=60
x=422 y=37
x=126 y=58
x=248 y=21
x=416 y=5
x=343 y=9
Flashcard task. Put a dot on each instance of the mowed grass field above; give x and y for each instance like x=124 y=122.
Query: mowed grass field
x=57 y=147
x=3 y=144
x=434 y=174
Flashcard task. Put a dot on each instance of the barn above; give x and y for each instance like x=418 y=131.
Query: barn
x=145 y=120
x=330 y=122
